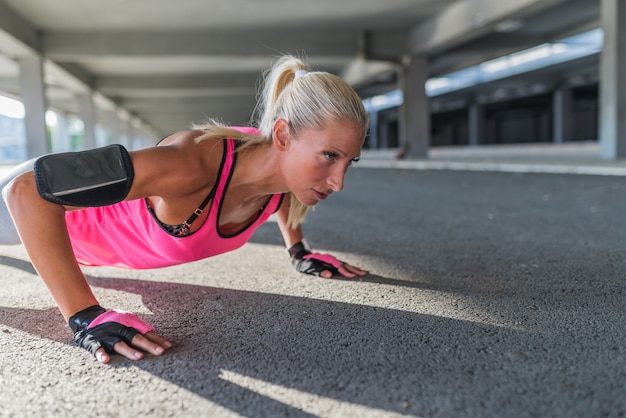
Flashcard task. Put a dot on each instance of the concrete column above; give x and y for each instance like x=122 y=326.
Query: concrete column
x=476 y=124
x=56 y=140
x=415 y=115
x=562 y=115
x=64 y=142
x=64 y=133
x=384 y=140
x=34 y=99
x=373 y=131
x=612 y=124
x=88 y=116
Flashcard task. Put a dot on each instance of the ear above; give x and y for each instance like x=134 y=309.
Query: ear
x=280 y=134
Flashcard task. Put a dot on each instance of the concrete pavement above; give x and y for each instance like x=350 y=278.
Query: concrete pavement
x=490 y=294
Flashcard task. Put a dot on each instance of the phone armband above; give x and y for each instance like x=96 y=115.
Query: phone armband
x=95 y=177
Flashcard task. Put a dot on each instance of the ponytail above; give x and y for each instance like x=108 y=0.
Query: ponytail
x=276 y=80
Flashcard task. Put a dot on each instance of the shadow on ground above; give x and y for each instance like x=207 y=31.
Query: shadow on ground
x=253 y=351
x=506 y=298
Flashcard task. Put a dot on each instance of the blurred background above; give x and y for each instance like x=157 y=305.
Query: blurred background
x=432 y=73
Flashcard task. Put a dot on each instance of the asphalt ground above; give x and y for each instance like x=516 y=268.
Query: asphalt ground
x=490 y=294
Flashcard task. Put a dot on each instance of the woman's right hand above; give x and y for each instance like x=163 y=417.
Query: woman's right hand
x=103 y=332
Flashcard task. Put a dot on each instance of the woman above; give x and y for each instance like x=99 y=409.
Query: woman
x=196 y=194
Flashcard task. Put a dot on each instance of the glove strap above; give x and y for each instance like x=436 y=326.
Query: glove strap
x=298 y=250
x=81 y=320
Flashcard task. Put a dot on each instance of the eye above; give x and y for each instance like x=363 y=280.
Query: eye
x=330 y=156
x=355 y=160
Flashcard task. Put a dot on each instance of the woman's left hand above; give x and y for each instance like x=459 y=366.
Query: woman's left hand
x=346 y=270
x=325 y=265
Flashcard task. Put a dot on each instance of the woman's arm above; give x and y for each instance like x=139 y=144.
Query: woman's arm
x=301 y=256
x=43 y=231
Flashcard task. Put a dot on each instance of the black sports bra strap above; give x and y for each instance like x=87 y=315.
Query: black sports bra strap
x=182 y=229
x=200 y=208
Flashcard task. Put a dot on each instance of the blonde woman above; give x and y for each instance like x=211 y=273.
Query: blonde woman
x=197 y=194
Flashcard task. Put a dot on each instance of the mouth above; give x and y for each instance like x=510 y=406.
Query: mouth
x=320 y=195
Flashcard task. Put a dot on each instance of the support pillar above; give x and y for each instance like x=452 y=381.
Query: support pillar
x=612 y=126
x=61 y=141
x=415 y=115
x=476 y=124
x=562 y=115
x=373 y=131
x=34 y=99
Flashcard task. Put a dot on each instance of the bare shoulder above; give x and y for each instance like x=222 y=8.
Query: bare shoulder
x=180 y=164
x=181 y=138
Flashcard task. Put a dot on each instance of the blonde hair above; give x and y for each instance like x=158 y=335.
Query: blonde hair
x=304 y=98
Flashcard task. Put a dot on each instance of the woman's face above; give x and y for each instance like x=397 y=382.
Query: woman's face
x=317 y=160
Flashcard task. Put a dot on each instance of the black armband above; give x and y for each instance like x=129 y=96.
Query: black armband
x=96 y=177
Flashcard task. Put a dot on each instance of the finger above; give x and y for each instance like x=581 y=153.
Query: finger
x=147 y=345
x=355 y=270
x=102 y=356
x=345 y=272
x=158 y=339
x=326 y=274
x=125 y=350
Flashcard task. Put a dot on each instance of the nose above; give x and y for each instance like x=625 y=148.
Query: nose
x=335 y=180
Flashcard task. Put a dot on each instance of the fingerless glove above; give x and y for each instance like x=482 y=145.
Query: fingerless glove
x=312 y=263
x=96 y=328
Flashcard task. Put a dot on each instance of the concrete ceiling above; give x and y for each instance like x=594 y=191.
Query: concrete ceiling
x=172 y=63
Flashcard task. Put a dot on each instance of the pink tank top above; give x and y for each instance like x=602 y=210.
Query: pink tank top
x=127 y=235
